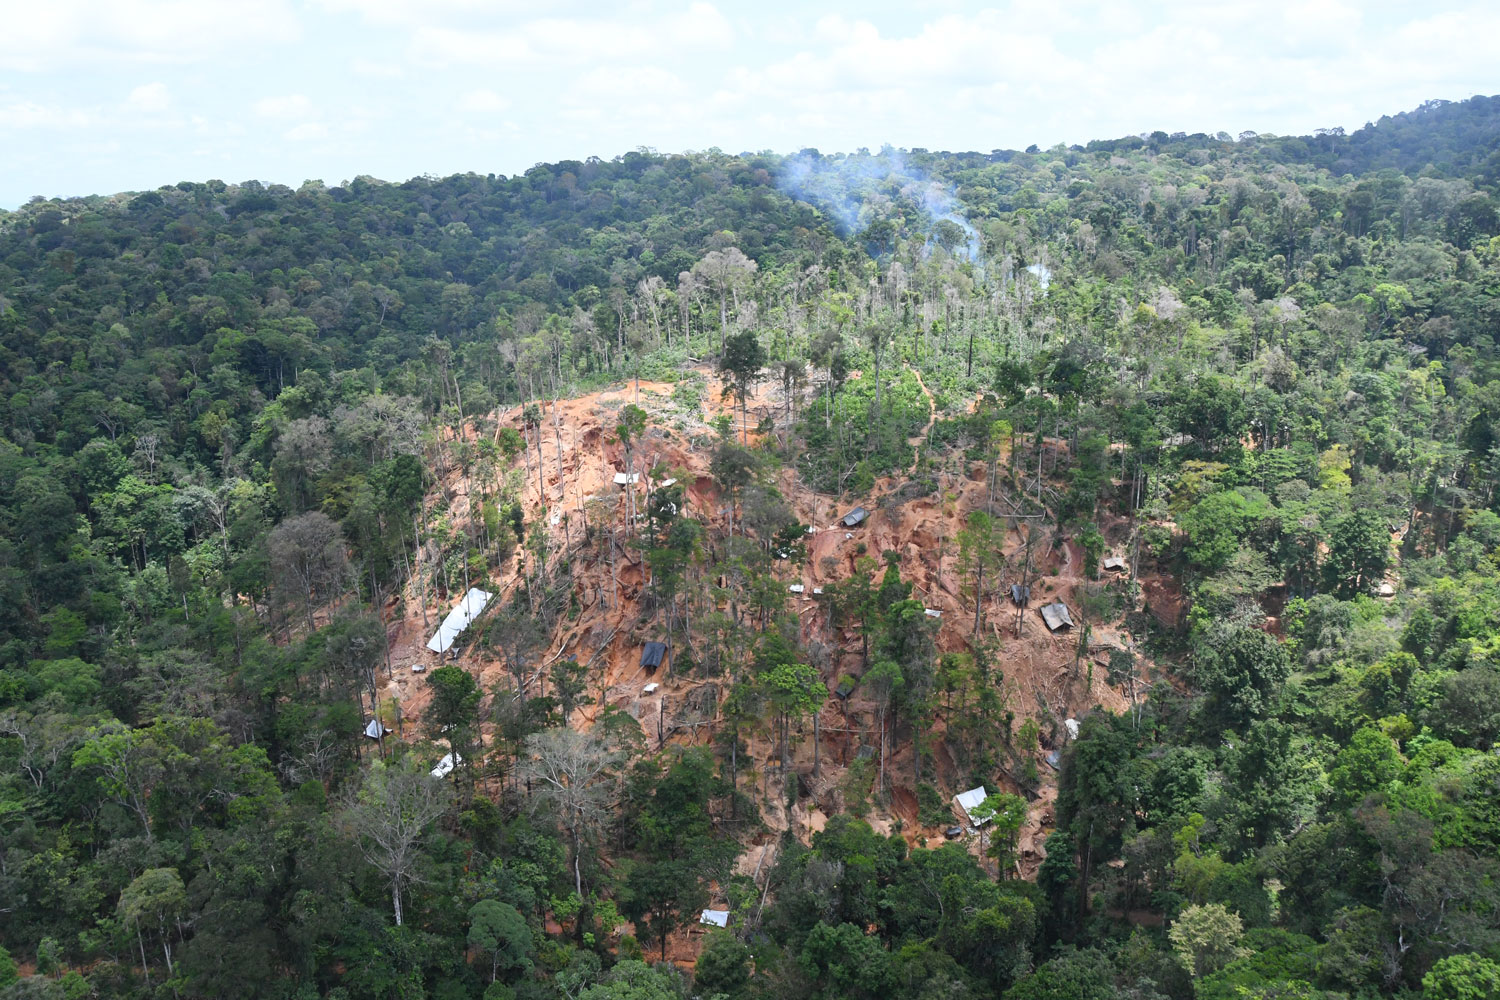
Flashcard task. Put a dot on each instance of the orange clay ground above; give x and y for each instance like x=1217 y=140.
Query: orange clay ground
x=1038 y=666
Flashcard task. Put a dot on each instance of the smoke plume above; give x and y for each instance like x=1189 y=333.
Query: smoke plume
x=861 y=188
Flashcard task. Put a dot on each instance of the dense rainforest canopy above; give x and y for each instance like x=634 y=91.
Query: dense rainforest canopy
x=232 y=418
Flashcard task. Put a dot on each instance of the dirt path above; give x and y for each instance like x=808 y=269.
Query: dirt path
x=916 y=442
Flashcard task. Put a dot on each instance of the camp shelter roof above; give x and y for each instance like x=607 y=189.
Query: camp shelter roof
x=970 y=800
x=855 y=516
x=719 y=918
x=458 y=619
x=650 y=688
x=1115 y=563
x=446 y=765
x=1020 y=593
x=375 y=729
x=652 y=653
x=1056 y=616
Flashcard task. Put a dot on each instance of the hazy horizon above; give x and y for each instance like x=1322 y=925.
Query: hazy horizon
x=97 y=99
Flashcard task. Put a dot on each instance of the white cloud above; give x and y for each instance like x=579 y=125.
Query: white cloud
x=377 y=68
x=483 y=101
x=701 y=25
x=30 y=115
x=289 y=106
x=150 y=97
x=408 y=12
x=52 y=34
x=627 y=85
x=517 y=84
x=575 y=41
x=1032 y=72
x=307 y=132
x=437 y=47
x=216 y=127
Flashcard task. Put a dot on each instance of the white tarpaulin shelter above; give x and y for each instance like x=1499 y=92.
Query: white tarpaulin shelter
x=970 y=800
x=719 y=918
x=376 y=729
x=446 y=765
x=458 y=619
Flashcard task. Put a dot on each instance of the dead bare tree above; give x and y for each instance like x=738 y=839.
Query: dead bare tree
x=389 y=818
x=307 y=556
x=572 y=772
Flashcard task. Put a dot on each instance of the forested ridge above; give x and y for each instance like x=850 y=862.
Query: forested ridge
x=256 y=439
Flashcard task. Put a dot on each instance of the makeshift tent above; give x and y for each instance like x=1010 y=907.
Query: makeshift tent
x=718 y=918
x=1115 y=563
x=458 y=619
x=855 y=516
x=375 y=729
x=970 y=800
x=652 y=654
x=650 y=688
x=1056 y=616
x=796 y=588
x=932 y=612
x=1071 y=725
x=845 y=689
x=621 y=479
x=446 y=765
x=1019 y=594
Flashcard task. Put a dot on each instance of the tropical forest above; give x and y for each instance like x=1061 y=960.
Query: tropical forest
x=1059 y=574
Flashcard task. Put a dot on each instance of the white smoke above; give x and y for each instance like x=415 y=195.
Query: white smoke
x=857 y=189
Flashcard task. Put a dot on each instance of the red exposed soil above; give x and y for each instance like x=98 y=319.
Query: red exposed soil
x=607 y=634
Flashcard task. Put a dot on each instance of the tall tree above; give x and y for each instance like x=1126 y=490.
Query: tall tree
x=390 y=817
x=741 y=369
x=571 y=772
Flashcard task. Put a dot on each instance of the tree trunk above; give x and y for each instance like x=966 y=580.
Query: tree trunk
x=817 y=713
x=141 y=941
x=562 y=488
x=978 y=595
x=577 y=869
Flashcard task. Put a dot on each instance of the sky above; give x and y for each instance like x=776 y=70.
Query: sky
x=101 y=96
